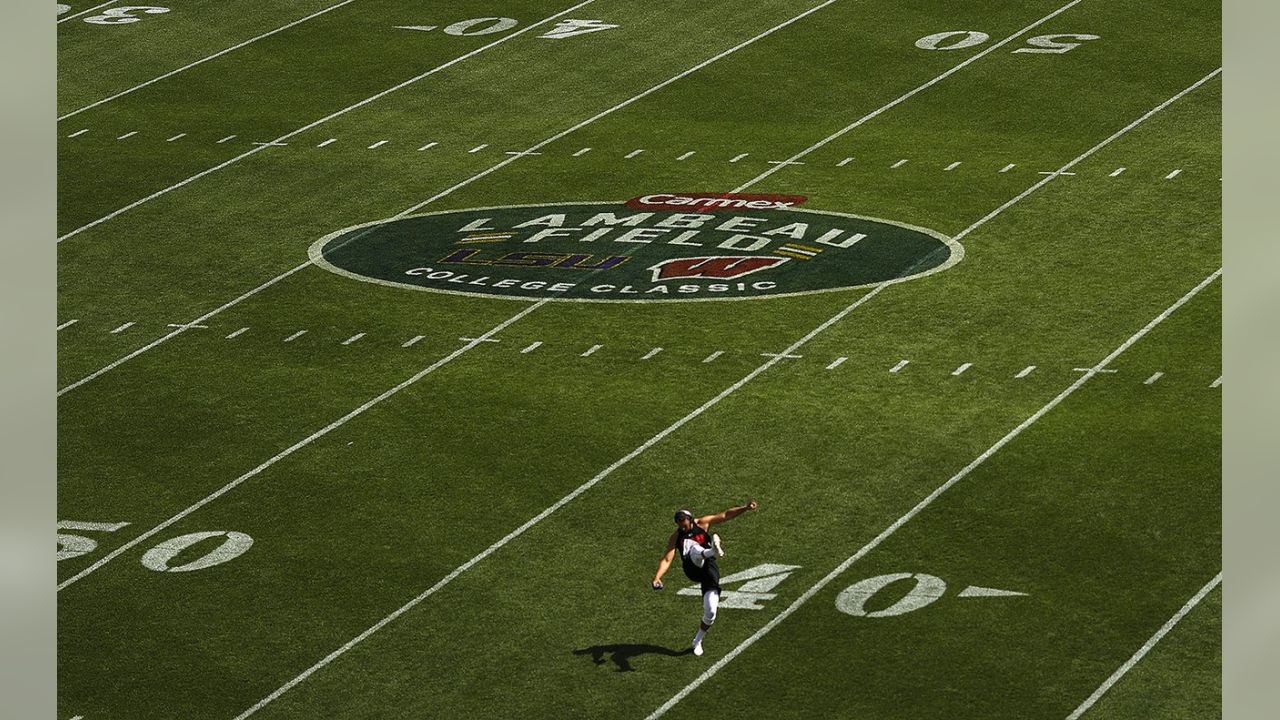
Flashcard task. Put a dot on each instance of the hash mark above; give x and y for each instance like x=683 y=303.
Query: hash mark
x=478 y=148
x=952 y=166
x=1173 y=174
x=651 y=353
x=412 y=341
x=1008 y=167
x=176 y=137
x=844 y=162
x=428 y=146
x=1054 y=173
x=712 y=357
x=591 y=350
x=898 y=368
x=962 y=368
x=1156 y=376
x=1025 y=371
x=123 y=327
x=295 y=336
x=353 y=338
x=785 y=162
x=582 y=152
x=1216 y=383
x=736 y=158
x=68 y=323
x=898 y=164
x=238 y=333
x=687 y=155
x=1117 y=171
x=632 y=154
x=327 y=142
x=229 y=137
x=129 y=134
x=78 y=133
x=378 y=144
x=532 y=346
x=837 y=363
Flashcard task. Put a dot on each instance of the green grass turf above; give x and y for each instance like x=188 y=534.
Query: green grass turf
x=352 y=526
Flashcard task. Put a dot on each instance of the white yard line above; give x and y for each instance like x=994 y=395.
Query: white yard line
x=188 y=66
x=1146 y=647
x=928 y=500
x=301 y=444
x=304 y=128
x=86 y=12
x=559 y=504
x=912 y=93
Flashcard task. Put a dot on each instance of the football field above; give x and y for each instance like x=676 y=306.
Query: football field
x=391 y=335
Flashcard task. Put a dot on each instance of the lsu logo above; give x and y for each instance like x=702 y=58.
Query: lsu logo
x=720 y=267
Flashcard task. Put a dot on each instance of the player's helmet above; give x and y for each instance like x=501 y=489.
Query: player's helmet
x=683 y=513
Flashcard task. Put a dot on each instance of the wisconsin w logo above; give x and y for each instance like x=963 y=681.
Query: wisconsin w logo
x=722 y=267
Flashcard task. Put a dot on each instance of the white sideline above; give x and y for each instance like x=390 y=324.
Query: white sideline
x=303 y=443
x=906 y=96
x=203 y=60
x=321 y=121
x=86 y=12
x=826 y=580
x=1142 y=651
x=437 y=196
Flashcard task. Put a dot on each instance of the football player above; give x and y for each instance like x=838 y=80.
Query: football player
x=699 y=549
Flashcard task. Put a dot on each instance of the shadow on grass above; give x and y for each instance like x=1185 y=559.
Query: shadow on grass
x=622 y=653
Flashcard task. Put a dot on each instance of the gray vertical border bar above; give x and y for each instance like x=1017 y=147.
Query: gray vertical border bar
x=27 y=355
x=1251 y=358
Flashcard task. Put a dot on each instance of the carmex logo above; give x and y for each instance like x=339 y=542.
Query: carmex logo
x=612 y=252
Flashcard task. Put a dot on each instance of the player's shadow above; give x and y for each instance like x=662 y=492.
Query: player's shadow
x=623 y=653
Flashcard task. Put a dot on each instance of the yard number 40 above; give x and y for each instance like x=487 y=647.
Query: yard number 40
x=960 y=39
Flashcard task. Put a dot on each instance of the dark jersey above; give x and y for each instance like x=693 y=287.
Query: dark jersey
x=709 y=574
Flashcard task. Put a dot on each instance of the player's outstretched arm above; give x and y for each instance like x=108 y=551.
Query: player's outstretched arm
x=665 y=562
x=731 y=513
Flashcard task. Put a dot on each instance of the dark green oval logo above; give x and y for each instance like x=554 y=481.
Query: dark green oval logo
x=609 y=252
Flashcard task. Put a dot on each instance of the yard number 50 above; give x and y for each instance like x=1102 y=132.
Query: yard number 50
x=960 y=39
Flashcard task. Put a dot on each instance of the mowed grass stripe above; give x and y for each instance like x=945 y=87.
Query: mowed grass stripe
x=201 y=61
x=259 y=148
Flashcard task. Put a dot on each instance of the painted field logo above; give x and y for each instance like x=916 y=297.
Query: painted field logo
x=611 y=252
